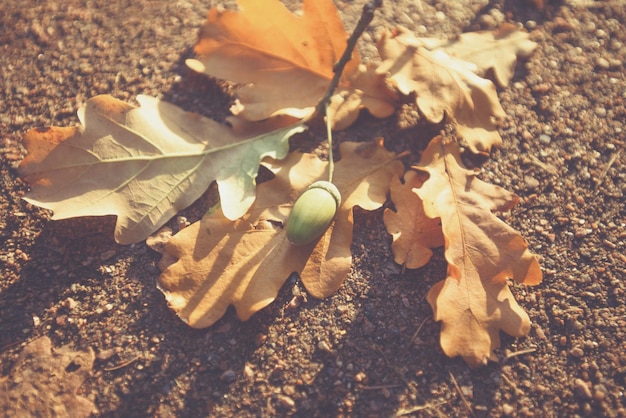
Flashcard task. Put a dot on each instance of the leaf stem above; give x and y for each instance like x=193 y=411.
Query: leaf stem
x=329 y=133
x=322 y=107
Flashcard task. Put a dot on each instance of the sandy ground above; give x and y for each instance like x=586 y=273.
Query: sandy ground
x=372 y=348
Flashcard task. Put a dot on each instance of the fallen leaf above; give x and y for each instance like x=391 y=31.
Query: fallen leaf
x=414 y=234
x=474 y=302
x=245 y=262
x=145 y=164
x=496 y=51
x=44 y=382
x=285 y=61
x=444 y=87
x=491 y=51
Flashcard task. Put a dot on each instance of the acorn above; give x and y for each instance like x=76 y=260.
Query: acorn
x=313 y=212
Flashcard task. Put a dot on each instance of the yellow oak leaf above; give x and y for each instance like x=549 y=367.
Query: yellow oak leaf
x=474 y=302
x=414 y=234
x=145 y=164
x=285 y=61
x=216 y=262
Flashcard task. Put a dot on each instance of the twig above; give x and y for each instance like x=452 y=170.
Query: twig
x=380 y=387
x=519 y=353
x=366 y=17
x=593 y=4
x=518 y=391
x=458 y=389
x=122 y=364
x=547 y=167
x=606 y=170
x=434 y=405
x=419 y=328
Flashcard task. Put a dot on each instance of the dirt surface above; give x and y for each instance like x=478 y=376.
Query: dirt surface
x=371 y=349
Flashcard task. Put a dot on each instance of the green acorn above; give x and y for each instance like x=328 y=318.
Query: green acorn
x=313 y=212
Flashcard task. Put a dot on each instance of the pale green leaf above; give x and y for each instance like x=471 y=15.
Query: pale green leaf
x=145 y=164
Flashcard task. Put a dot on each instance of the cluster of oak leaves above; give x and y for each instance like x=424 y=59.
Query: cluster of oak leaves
x=145 y=164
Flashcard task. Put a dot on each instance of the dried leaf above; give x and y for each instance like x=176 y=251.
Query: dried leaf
x=285 y=61
x=474 y=302
x=144 y=164
x=496 y=51
x=245 y=262
x=491 y=51
x=444 y=87
x=414 y=234
x=45 y=383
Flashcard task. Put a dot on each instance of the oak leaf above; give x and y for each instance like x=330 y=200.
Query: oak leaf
x=493 y=52
x=44 y=382
x=444 y=87
x=216 y=262
x=474 y=302
x=414 y=234
x=145 y=164
x=285 y=62
x=496 y=51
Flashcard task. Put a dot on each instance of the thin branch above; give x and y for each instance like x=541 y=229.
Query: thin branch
x=366 y=18
x=600 y=178
x=519 y=353
x=419 y=328
x=381 y=387
x=122 y=364
x=460 y=392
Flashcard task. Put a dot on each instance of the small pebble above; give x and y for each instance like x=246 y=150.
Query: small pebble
x=248 y=371
x=507 y=410
x=577 y=352
x=228 y=376
x=324 y=346
x=289 y=390
x=360 y=377
x=599 y=392
x=531 y=182
x=602 y=63
x=286 y=402
x=581 y=389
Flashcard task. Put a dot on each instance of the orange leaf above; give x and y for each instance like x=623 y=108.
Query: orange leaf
x=444 y=87
x=245 y=262
x=495 y=51
x=286 y=61
x=414 y=234
x=474 y=302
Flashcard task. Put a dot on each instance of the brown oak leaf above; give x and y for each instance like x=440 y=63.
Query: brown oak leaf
x=245 y=262
x=414 y=234
x=44 y=382
x=285 y=61
x=474 y=302
x=493 y=51
x=444 y=87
